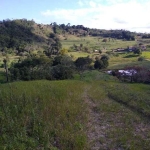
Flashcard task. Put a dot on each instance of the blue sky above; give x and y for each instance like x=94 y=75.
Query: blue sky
x=131 y=15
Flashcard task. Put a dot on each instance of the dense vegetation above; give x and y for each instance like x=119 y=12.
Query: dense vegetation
x=80 y=30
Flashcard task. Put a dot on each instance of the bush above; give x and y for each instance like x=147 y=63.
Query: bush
x=138 y=51
x=141 y=58
x=101 y=63
x=98 y=64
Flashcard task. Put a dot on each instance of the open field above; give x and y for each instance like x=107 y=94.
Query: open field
x=96 y=42
x=117 y=61
x=97 y=112
x=128 y=59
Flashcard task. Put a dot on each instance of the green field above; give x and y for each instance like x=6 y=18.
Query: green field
x=96 y=111
x=96 y=42
x=117 y=60
x=74 y=114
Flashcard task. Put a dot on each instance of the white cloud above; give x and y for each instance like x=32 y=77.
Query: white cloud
x=119 y=14
x=92 y=4
x=80 y=3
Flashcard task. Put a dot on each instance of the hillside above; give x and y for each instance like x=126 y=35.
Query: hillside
x=97 y=112
x=22 y=33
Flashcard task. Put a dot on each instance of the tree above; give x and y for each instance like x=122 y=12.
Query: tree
x=31 y=69
x=100 y=51
x=137 y=51
x=104 y=40
x=102 y=62
x=6 y=68
x=98 y=64
x=81 y=46
x=83 y=63
x=63 y=67
x=53 y=45
x=63 y=51
x=104 y=57
x=61 y=72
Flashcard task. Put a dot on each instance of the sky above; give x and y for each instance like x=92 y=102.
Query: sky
x=129 y=15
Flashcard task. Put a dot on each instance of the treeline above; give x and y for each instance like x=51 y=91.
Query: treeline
x=80 y=30
x=146 y=36
x=57 y=68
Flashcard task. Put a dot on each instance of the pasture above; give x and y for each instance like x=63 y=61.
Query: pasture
x=97 y=111
x=117 y=60
x=96 y=42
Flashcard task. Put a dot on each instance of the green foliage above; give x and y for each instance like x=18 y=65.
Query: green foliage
x=83 y=63
x=62 y=67
x=62 y=72
x=141 y=58
x=102 y=62
x=63 y=51
x=53 y=45
x=17 y=33
x=137 y=51
x=31 y=69
x=98 y=64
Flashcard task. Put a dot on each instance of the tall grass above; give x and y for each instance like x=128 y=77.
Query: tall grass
x=53 y=114
x=122 y=127
x=42 y=115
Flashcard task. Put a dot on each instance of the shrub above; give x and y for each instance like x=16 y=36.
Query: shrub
x=141 y=58
x=101 y=63
x=138 y=51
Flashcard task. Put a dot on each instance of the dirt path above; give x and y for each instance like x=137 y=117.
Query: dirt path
x=112 y=126
x=96 y=129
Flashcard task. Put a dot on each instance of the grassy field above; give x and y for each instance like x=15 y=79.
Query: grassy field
x=128 y=59
x=121 y=125
x=96 y=42
x=96 y=111
x=75 y=114
x=42 y=115
x=146 y=55
x=117 y=61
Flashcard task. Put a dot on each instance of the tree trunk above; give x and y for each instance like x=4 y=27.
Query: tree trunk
x=6 y=69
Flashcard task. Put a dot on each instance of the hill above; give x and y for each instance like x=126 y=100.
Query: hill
x=22 y=34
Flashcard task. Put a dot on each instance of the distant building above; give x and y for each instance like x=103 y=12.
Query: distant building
x=131 y=48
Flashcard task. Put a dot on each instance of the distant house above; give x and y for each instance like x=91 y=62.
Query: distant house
x=95 y=51
x=119 y=50
x=130 y=72
x=131 y=48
